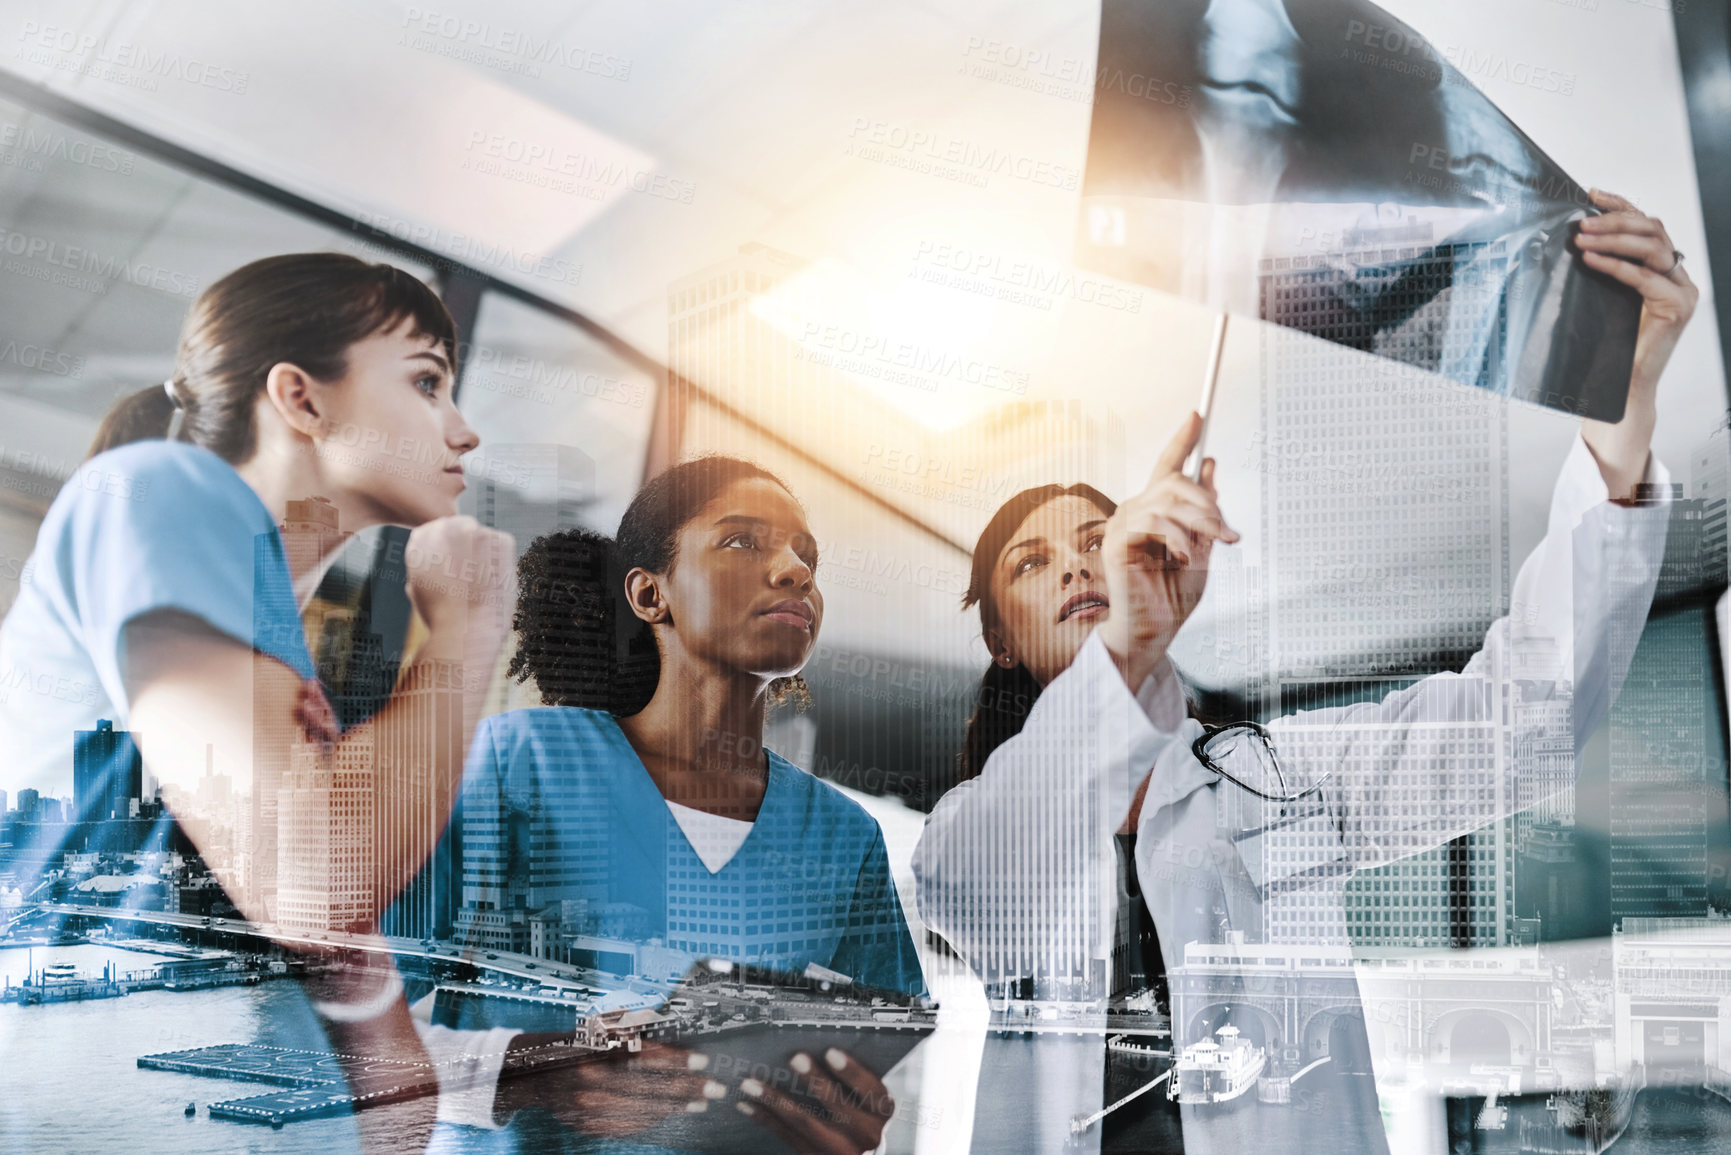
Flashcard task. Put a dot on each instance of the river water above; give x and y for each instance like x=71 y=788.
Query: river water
x=69 y=1081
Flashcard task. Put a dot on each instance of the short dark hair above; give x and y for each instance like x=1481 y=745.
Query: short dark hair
x=576 y=636
x=302 y=308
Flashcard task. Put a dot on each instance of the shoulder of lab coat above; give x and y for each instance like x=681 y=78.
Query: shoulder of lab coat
x=1015 y=868
x=1397 y=786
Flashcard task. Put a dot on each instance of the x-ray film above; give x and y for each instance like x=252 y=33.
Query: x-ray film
x=1320 y=165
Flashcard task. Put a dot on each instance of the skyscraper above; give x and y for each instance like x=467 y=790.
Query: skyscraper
x=1541 y=705
x=309 y=531
x=107 y=773
x=326 y=877
x=1385 y=513
x=714 y=339
x=1660 y=807
x=214 y=793
x=530 y=489
x=521 y=855
x=1402 y=777
x=1543 y=762
x=1385 y=530
x=428 y=732
x=1457 y=324
x=758 y=331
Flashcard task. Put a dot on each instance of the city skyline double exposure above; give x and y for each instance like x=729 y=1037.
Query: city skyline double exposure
x=1142 y=579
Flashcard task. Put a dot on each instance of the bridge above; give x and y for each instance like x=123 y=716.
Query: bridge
x=1455 y=1011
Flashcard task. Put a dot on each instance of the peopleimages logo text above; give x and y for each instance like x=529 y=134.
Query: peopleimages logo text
x=83 y=260
x=94 y=51
x=515 y=42
x=965 y=154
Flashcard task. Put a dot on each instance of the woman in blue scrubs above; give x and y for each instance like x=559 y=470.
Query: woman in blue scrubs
x=160 y=591
x=641 y=798
x=161 y=596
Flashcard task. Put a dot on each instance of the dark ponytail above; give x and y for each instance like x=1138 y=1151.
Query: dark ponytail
x=1006 y=696
x=305 y=309
x=138 y=416
x=576 y=636
x=1000 y=710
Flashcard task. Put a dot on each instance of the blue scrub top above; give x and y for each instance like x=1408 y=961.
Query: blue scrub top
x=150 y=526
x=558 y=808
x=154 y=525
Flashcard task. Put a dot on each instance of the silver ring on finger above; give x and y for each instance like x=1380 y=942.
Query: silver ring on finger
x=1676 y=261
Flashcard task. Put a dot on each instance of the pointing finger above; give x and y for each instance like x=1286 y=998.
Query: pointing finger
x=1203 y=522
x=1177 y=449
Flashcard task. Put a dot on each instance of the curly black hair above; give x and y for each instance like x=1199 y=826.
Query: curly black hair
x=575 y=635
x=567 y=620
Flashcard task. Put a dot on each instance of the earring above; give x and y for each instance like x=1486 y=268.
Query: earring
x=1007 y=661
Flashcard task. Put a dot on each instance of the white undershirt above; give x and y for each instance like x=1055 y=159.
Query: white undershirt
x=715 y=837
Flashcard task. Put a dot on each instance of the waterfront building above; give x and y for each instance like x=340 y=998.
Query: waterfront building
x=1672 y=996
x=326 y=877
x=107 y=773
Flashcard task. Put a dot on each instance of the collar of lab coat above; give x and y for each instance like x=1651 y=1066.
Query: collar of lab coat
x=1177 y=773
x=1161 y=730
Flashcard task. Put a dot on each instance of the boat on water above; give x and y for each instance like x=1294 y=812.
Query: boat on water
x=61 y=972
x=1584 y=1121
x=1218 y=1069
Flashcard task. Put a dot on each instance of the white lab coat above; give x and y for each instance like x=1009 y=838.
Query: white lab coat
x=1015 y=868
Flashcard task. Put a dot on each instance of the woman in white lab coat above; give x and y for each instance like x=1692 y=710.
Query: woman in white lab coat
x=1082 y=733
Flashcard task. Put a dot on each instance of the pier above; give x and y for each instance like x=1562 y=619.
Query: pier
x=67 y=991
x=184 y=969
x=310 y=1084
